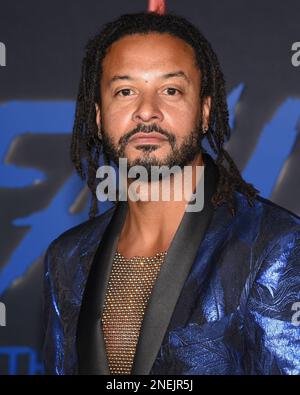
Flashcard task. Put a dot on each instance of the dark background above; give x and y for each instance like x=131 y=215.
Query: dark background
x=40 y=196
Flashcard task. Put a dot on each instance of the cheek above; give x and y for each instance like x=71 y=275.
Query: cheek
x=118 y=112
x=182 y=119
x=116 y=120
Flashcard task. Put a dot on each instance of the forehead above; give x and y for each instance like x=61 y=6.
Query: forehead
x=151 y=51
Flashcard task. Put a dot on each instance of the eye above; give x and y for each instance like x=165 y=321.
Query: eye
x=172 y=91
x=124 y=92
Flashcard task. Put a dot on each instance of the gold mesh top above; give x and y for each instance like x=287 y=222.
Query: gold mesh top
x=129 y=288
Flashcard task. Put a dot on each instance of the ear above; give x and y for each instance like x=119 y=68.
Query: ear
x=206 y=110
x=98 y=115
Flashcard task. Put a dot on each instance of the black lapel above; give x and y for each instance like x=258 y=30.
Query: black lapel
x=173 y=274
x=92 y=357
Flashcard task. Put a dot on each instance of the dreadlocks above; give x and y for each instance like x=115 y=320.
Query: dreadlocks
x=86 y=147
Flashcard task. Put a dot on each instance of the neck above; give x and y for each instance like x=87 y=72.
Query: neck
x=151 y=225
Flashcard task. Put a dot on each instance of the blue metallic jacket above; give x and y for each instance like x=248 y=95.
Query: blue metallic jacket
x=226 y=301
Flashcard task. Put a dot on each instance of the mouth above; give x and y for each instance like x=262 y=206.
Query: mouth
x=148 y=138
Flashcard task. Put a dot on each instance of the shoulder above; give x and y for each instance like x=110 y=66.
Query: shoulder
x=272 y=290
x=274 y=282
x=82 y=236
x=273 y=236
x=265 y=223
x=273 y=213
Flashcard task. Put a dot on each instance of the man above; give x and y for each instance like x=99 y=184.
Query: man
x=148 y=287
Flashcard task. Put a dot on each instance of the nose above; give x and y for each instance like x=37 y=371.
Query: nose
x=147 y=110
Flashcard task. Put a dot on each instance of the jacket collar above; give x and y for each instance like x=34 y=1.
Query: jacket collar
x=92 y=356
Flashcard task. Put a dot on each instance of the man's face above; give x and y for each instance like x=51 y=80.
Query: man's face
x=151 y=85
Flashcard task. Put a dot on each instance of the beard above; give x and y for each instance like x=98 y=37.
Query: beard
x=180 y=155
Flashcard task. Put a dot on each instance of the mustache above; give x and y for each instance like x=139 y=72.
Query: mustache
x=141 y=128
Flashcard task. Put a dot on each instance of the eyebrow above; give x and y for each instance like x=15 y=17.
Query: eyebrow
x=164 y=76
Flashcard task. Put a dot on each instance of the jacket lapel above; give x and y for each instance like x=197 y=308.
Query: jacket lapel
x=92 y=357
x=172 y=276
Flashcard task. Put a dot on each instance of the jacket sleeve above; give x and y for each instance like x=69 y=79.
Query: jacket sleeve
x=53 y=334
x=272 y=314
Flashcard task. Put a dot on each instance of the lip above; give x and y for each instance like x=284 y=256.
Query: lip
x=148 y=137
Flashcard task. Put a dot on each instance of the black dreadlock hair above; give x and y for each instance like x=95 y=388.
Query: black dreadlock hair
x=86 y=146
